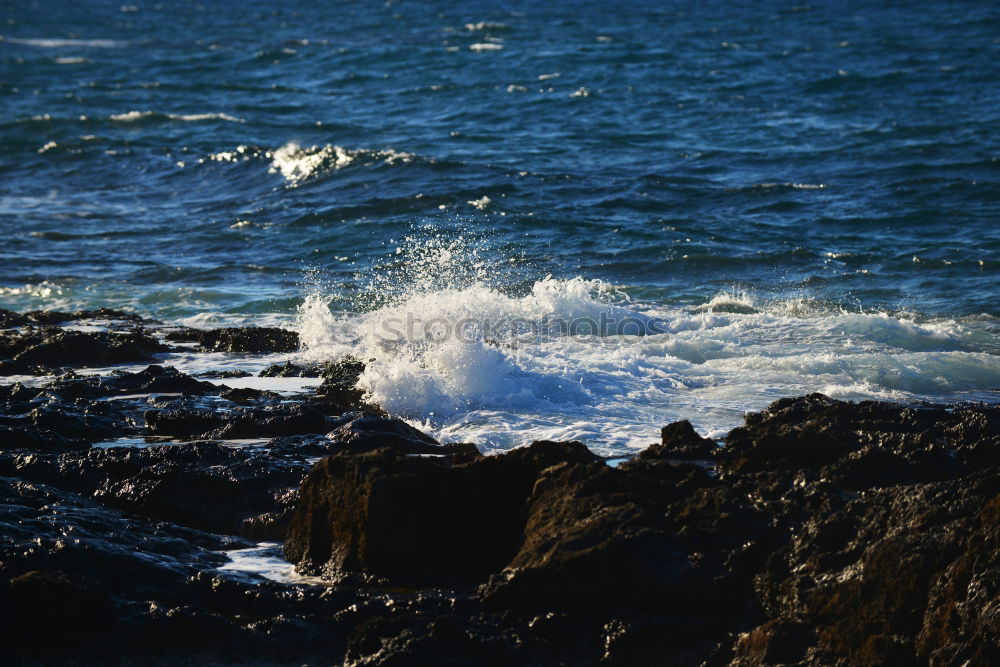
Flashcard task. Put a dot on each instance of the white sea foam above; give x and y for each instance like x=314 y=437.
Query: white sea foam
x=54 y=295
x=484 y=25
x=194 y=117
x=296 y=163
x=482 y=203
x=55 y=43
x=472 y=362
x=136 y=116
x=485 y=46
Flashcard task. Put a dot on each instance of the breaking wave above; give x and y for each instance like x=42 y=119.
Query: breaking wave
x=474 y=361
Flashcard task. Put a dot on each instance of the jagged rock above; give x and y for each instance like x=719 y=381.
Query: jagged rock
x=583 y=524
x=288 y=369
x=32 y=437
x=68 y=413
x=361 y=432
x=57 y=347
x=203 y=485
x=246 y=394
x=339 y=388
x=46 y=416
x=300 y=446
x=679 y=440
x=54 y=611
x=238 y=339
x=9 y=319
x=225 y=374
x=820 y=533
x=84 y=584
x=152 y=379
x=267 y=422
x=10 y=367
x=385 y=514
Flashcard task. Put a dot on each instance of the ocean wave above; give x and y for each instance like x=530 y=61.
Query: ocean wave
x=473 y=362
x=56 y=43
x=485 y=46
x=141 y=116
x=296 y=163
x=485 y=25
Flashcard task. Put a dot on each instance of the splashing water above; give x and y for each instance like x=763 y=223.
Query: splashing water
x=473 y=360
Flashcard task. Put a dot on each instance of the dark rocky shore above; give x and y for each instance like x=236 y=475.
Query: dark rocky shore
x=819 y=533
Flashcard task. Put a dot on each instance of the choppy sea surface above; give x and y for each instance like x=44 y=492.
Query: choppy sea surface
x=562 y=219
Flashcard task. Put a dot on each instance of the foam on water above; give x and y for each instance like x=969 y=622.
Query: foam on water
x=55 y=43
x=296 y=163
x=575 y=359
x=694 y=167
x=265 y=561
x=137 y=116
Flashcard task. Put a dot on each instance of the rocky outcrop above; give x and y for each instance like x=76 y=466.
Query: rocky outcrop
x=84 y=584
x=253 y=422
x=238 y=339
x=71 y=413
x=818 y=533
x=203 y=485
x=288 y=369
x=116 y=318
x=822 y=533
x=464 y=513
x=339 y=390
x=53 y=348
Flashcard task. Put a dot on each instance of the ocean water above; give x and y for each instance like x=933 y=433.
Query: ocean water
x=564 y=219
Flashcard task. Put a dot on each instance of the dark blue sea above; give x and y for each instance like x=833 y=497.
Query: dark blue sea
x=560 y=219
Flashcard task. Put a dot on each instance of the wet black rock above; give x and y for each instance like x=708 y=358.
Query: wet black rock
x=819 y=533
x=225 y=374
x=47 y=418
x=32 y=437
x=82 y=409
x=266 y=422
x=84 y=584
x=339 y=390
x=10 y=319
x=679 y=440
x=249 y=394
x=464 y=513
x=238 y=339
x=51 y=347
x=583 y=523
x=10 y=367
x=301 y=446
x=203 y=485
x=288 y=369
x=835 y=533
x=45 y=528
x=35 y=602
x=362 y=432
x=151 y=380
